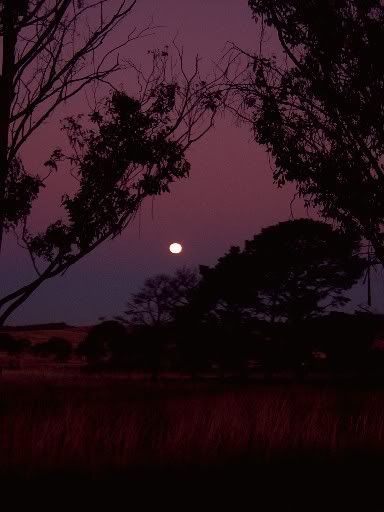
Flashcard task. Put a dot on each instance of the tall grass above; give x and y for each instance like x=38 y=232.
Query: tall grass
x=100 y=425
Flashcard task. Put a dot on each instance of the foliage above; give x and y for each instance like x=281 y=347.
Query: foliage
x=129 y=148
x=55 y=346
x=21 y=189
x=13 y=346
x=19 y=346
x=318 y=107
x=347 y=339
x=161 y=296
x=123 y=159
x=224 y=290
x=289 y=271
x=6 y=341
x=44 y=64
x=104 y=342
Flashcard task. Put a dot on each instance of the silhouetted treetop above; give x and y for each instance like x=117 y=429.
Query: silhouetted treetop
x=289 y=271
x=304 y=263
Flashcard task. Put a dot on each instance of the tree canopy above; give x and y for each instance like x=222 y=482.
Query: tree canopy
x=290 y=271
x=131 y=145
x=317 y=106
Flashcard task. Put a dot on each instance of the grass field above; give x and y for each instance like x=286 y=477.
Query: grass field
x=98 y=424
x=119 y=424
x=268 y=440
x=284 y=445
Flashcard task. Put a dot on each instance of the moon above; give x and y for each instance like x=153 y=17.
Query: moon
x=175 y=248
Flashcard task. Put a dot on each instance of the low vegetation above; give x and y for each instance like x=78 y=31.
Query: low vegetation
x=104 y=425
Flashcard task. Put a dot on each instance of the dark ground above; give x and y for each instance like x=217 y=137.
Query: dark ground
x=275 y=446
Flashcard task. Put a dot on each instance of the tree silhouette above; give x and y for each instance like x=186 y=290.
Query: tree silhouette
x=157 y=302
x=288 y=272
x=105 y=342
x=224 y=290
x=303 y=268
x=44 y=64
x=127 y=149
x=318 y=106
x=154 y=314
x=285 y=275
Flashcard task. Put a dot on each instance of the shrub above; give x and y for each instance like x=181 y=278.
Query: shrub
x=18 y=346
x=107 y=341
x=6 y=341
x=55 y=346
x=13 y=346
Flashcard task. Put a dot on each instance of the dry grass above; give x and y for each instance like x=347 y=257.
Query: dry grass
x=105 y=424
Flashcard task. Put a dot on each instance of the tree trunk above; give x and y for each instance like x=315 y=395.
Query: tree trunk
x=6 y=95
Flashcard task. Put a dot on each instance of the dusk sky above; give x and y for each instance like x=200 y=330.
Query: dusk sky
x=228 y=198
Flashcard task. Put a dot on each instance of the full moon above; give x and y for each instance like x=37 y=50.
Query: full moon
x=175 y=248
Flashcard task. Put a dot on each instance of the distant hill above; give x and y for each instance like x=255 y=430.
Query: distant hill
x=39 y=333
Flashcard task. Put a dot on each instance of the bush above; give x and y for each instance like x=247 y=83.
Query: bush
x=60 y=347
x=106 y=342
x=55 y=346
x=13 y=346
x=6 y=341
x=19 y=346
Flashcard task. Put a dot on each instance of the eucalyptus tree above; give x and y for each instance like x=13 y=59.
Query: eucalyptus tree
x=312 y=91
x=130 y=146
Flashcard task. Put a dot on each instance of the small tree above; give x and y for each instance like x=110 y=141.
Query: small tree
x=106 y=342
x=158 y=300
x=154 y=313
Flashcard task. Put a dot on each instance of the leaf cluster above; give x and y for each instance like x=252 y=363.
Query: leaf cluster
x=319 y=110
x=124 y=156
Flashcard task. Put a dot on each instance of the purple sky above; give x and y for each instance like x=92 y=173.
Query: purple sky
x=228 y=198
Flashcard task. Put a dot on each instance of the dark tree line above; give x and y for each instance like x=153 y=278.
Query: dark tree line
x=273 y=303
x=55 y=347
x=271 y=306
